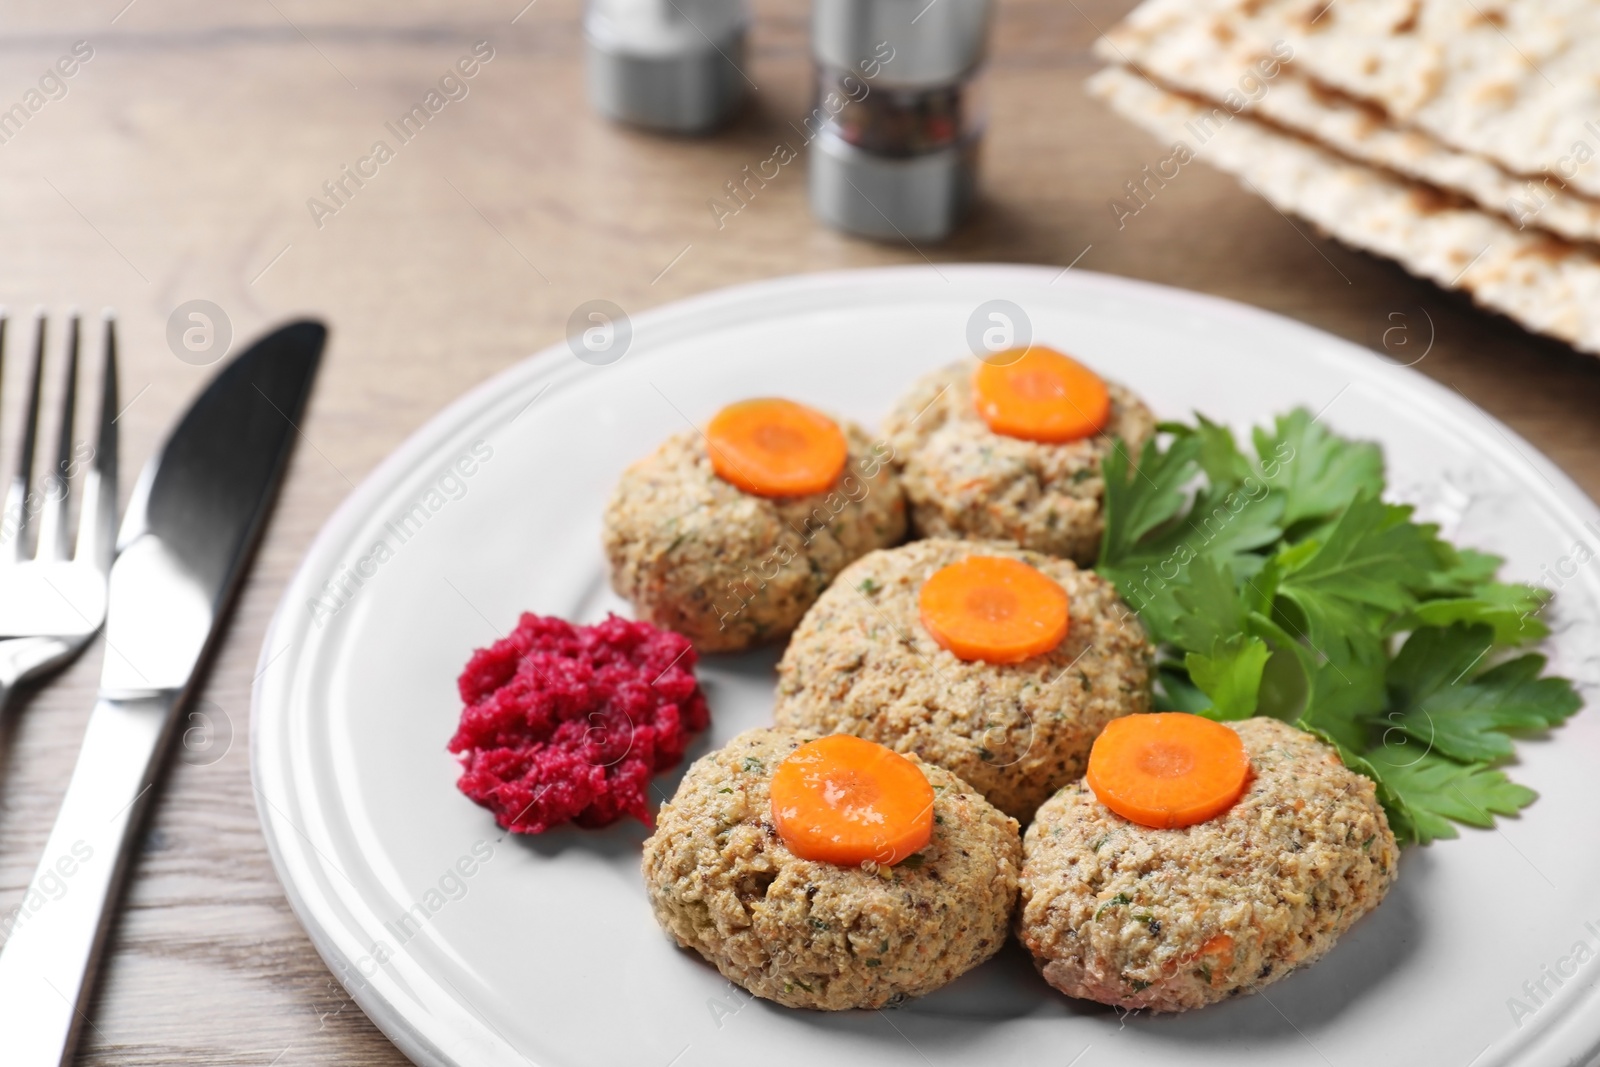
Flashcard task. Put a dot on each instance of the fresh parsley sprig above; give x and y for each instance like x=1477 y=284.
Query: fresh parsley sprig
x=1277 y=581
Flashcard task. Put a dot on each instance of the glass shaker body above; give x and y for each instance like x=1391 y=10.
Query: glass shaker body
x=891 y=120
x=898 y=114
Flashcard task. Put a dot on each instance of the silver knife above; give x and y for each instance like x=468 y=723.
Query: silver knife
x=185 y=543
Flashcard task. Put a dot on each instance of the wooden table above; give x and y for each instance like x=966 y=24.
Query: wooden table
x=178 y=165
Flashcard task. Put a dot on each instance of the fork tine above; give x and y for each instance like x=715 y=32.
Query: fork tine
x=53 y=543
x=97 y=519
x=17 y=499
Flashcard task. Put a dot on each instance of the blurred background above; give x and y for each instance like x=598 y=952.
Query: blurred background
x=182 y=160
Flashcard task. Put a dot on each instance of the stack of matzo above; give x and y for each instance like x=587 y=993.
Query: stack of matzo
x=1458 y=137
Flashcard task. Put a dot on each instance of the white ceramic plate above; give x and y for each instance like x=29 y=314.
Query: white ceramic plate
x=543 y=950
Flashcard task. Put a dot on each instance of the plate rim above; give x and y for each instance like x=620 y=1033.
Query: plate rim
x=1564 y=1036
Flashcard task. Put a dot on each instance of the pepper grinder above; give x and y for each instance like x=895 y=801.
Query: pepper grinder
x=669 y=65
x=897 y=119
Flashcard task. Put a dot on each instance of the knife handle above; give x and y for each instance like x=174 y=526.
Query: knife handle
x=53 y=941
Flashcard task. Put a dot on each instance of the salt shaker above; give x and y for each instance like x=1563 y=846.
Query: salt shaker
x=669 y=65
x=897 y=120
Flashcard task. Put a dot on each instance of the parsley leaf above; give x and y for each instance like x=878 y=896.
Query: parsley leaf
x=1318 y=473
x=1465 y=590
x=1432 y=791
x=1345 y=585
x=1465 y=569
x=1175 y=692
x=1343 y=699
x=1225 y=525
x=1219 y=456
x=1139 y=498
x=1230 y=675
x=1433 y=659
x=1279 y=583
x=1511 y=609
x=1209 y=607
x=1437 y=704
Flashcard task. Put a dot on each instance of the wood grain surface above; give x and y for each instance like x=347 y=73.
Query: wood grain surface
x=177 y=166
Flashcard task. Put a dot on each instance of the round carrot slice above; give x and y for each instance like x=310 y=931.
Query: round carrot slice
x=773 y=447
x=994 y=609
x=1040 y=395
x=843 y=799
x=1168 y=769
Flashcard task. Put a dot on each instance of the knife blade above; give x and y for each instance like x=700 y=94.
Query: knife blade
x=185 y=543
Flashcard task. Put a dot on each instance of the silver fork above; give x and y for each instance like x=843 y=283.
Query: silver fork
x=54 y=600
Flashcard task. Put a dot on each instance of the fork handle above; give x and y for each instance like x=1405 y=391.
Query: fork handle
x=53 y=941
